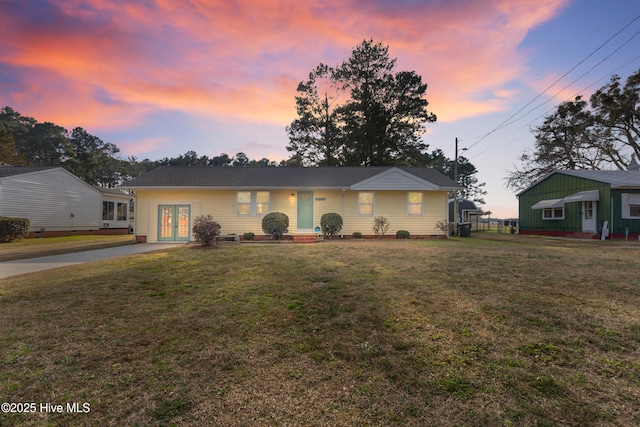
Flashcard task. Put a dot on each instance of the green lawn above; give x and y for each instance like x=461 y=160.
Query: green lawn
x=490 y=330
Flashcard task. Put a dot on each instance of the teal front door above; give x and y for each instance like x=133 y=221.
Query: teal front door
x=305 y=210
x=174 y=223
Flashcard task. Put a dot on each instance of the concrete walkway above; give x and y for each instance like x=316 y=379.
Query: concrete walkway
x=24 y=266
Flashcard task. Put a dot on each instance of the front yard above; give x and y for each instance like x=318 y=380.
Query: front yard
x=501 y=331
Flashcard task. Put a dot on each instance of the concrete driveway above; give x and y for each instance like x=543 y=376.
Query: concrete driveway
x=24 y=266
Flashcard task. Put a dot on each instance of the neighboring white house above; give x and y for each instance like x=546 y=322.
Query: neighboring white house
x=57 y=202
x=116 y=209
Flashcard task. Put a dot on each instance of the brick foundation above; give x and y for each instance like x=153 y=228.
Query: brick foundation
x=60 y=233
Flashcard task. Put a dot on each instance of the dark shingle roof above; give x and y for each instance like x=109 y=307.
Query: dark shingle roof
x=20 y=170
x=112 y=191
x=273 y=177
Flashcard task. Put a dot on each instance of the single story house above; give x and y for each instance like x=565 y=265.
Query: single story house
x=168 y=198
x=582 y=203
x=57 y=202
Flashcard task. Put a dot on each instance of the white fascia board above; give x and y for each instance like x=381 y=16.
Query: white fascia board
x=394 y=179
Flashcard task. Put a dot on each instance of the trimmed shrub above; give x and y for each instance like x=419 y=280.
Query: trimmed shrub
x=380 y=226
x=248 y=236
x=356 y=235
x=12 y=229
x=276 y=224
x=402 y=234
x=205 y=230
x=331 y=224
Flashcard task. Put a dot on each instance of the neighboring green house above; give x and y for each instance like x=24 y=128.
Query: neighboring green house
x=581 y=203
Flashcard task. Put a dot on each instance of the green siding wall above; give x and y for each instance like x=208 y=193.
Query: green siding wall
x=558 y=186
x=619 y=224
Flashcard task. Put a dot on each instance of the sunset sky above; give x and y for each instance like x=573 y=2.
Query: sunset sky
x=160 y=78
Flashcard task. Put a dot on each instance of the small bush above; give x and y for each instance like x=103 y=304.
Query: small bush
x=402 y=234
x=276 y=224
x=380 y=226
x=205 y=230
x=12 y=229
x=445 y=226
x=357 y=235
x=331 y=224
x=248 y=236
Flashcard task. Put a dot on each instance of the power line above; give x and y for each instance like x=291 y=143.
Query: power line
x=508 y=120
x=578 y=79
x=580 y=91
x=565 y=100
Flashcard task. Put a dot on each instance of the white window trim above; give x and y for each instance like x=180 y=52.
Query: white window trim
x=627 y=200
x=117 y=211
x=253 y=203
x=553 y=218
x=373 y=203
x=421 y=204
x=254 y=198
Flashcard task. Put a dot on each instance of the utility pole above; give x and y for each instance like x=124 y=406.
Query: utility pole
x=455 y=192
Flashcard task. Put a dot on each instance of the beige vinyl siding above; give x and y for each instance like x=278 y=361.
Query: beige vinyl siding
x=281 y=201
x=326 y=201
x=221 y=204
x=393 y=206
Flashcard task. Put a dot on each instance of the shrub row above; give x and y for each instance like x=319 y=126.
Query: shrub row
x=276 y=224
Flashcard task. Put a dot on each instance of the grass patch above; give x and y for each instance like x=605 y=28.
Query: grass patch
x=36 y=247
x=496 y=331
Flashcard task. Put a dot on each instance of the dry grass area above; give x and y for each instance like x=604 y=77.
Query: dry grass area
x=36 y=247
x=506 y=330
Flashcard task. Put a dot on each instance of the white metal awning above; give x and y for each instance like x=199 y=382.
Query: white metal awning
x=551 y=203
x=584 y=196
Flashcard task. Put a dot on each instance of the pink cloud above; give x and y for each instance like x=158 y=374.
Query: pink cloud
x=142 y=147
x=105 y=63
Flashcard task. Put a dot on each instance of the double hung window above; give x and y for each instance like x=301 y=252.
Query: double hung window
x=108 y=211
x=414 y=203
x=253 y=203
x=553 y=213
x=630 y=205
x=365 y=203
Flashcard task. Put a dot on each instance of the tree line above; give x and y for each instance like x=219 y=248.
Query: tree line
x=603 y=133
x=26 y=142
